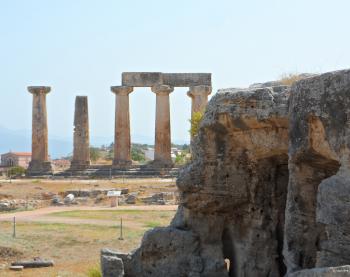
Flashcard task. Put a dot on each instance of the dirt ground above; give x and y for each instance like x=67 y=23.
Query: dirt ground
x=36 y=188
x=72 y=236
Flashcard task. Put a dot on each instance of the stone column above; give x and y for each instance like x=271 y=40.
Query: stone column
x=199 y=96
x=162 y=153
x=81 y=151
x=40 y=163
x=122 y=142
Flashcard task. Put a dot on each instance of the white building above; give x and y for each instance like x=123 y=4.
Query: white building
x=16 y=159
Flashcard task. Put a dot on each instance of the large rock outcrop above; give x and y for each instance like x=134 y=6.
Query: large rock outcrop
x=267 y=192
x=318 y=207
x=232 y=195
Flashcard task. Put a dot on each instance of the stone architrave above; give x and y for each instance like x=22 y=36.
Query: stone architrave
x=162 y=153
x=122 y=141
x=199 y=96
x=81 y=151
x=40 y=163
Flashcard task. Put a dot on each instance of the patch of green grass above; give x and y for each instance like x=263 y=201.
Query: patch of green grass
x=94 y=271
x=136 y=215
x=153 y=224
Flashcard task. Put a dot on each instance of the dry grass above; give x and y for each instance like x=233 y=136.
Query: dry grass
x=289 y=79
x=75 y=248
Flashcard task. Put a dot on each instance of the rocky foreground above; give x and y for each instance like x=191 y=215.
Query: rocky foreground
x=267 y=192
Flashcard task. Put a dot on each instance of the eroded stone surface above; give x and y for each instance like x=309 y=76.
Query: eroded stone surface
x=319 y=146
x=342 y=271
x=232 y=194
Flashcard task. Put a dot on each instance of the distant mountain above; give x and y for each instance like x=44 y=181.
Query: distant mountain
x=20 y=140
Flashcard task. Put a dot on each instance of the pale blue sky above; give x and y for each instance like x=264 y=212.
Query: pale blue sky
x=81 y=48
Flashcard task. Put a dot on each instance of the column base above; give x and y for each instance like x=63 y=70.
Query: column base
x=37 y=168
x=121 y=163
x=79 y=165
x=161 y=164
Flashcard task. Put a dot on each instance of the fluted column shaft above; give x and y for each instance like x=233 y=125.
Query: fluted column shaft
x=122 y=141
x=81 y=151
x=40 y=158
x=162 y=153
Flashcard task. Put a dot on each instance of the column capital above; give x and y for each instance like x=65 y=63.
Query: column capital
x=199 y=90
x=162 y=89
x=39 y=89
x=122 y=90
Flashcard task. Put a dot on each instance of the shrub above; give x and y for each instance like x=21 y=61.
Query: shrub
x=95 y=154
x=289 y=79
x=94 y=271
x=137 y=154
x=195 y=121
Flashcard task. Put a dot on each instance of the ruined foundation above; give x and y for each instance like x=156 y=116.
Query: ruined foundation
x=267 y=191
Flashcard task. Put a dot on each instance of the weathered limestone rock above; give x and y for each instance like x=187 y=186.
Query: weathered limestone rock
x=317 y=233
x=81 y=151
x=268 y=187
x=111 y=265
x=40 y=163
x=342 y=271
x=232 y=195
x=162 y=151
x=122 y=141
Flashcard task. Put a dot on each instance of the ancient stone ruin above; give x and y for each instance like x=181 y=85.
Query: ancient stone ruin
x=81 y=152
x=40 y=156
x=162 y=84
x=267 y=191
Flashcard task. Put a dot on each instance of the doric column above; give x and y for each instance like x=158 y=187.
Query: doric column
x=40 y=163
x=122 y=142
x=199 y=96
x=162 y=153
x=81 y=151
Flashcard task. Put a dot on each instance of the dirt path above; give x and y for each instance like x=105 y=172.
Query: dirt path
x=43 y=215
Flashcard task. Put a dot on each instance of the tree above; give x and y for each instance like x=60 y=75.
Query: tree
x=95 y=154
x=16 y=171
x=137 y=154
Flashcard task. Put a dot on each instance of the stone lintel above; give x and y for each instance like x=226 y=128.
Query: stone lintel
x=187 y=79
x=38 y=89
x=122 y=90
x=162 y=89
x=199 y=90
x=150 y=79
x=141 y=79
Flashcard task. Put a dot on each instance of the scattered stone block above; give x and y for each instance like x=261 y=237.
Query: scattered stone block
x=16 y=267
x=111 y=266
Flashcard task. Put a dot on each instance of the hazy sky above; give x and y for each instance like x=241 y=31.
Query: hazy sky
x=82 y=47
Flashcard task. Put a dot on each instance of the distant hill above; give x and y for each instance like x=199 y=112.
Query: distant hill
x=20 y=140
